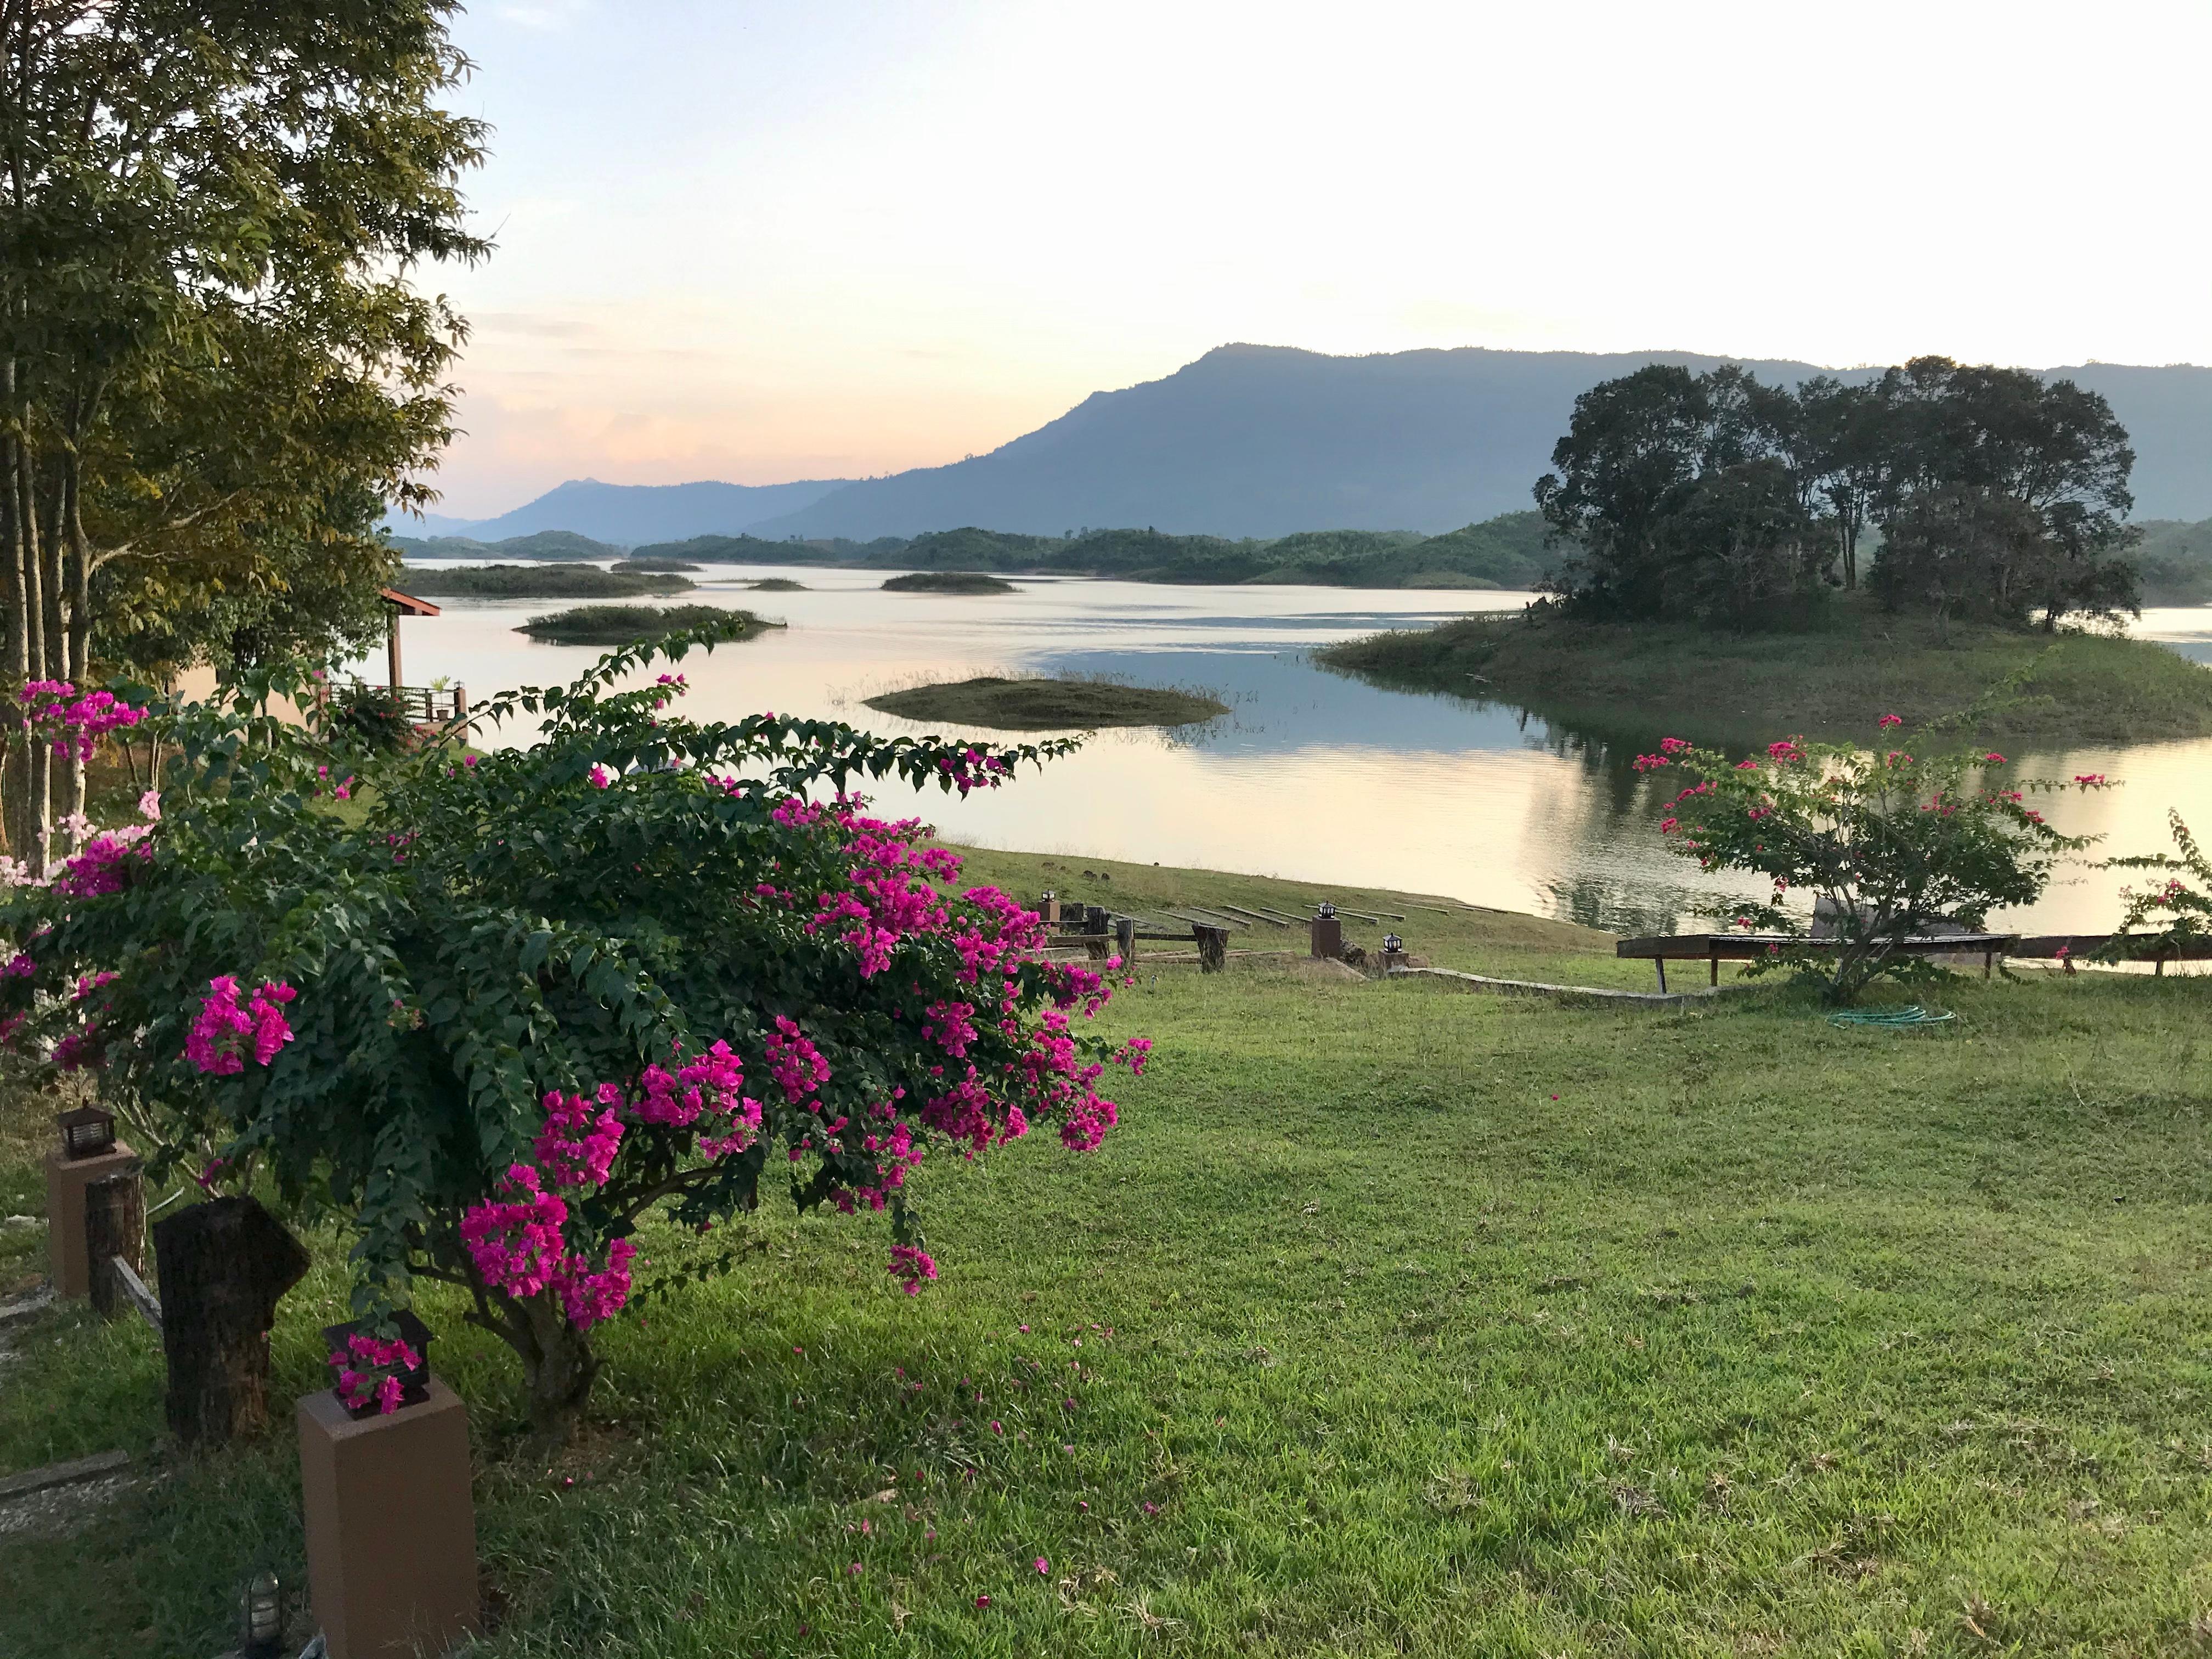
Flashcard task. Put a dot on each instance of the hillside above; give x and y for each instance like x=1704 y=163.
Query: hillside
x=1264 y=441
x=2176 y=562
x=1267 y=441
x=631 y=514
x=543 y=544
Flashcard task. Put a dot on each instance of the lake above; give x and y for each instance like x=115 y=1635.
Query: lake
x=1310 y=776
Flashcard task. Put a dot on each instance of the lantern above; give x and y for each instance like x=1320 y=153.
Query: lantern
x=261 y=1618
x=1047 y=895
x=1392 y=945
x=415 y=1381
x=1325 y=909
x=87 y=1132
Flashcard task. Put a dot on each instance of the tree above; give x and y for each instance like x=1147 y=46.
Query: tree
x=214 y=369
x=1631 y=444
x=1893 y=842
x=1745 y=541
x=527 y=999
x=1848 y=432
x=1964 y=433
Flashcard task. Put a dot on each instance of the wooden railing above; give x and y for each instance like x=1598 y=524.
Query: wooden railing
x=423 y=705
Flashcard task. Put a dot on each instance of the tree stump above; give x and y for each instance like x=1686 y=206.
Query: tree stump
x=223 y=1265
x=114 y=1225
x=1213 y=948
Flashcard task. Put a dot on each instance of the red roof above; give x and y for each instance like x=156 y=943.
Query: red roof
x=407 y=604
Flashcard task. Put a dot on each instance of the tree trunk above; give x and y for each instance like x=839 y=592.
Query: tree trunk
x=223 y=1265
x=558 y=1366
x=114 y=1225
x=76 y=643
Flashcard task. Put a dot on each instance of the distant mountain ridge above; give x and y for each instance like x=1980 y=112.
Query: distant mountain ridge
x=1266 y=441
x=626 y=515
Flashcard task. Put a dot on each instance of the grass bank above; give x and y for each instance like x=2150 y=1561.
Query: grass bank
x=1835 y=681
x=947 y=581
x=1047 y=705
x=1391 y=1320
x=539 y=582
x=619 y=624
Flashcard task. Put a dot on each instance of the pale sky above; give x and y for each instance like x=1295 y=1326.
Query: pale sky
x=834 y=237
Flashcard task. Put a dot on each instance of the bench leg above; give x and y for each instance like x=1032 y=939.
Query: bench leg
x=1660 y=963
x=1717 y=970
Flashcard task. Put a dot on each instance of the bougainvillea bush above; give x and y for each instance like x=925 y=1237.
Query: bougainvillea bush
x=2164 y=918
x=494 y=1009
x=1892 y=840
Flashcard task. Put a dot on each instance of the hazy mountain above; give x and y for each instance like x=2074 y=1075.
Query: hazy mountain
x=1265 y=440
x=626 y=515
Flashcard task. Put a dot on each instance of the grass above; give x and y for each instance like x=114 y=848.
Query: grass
x=1832 y=682
x=1047 y=705
x=947 y=581
x=1396 y=1321
x=539 y=582
x=619 y=624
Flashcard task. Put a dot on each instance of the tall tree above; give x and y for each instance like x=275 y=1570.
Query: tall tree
x=1631 y=444
x=215 y=364
x=1849 y=433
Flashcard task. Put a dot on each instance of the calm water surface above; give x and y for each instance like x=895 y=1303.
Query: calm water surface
x=1310 y=776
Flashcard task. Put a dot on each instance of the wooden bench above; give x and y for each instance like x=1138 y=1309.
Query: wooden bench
x=1714 y=949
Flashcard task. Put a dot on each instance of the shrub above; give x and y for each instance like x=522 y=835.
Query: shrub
x=370 y=717
x=526 y=999
x=1894 y=842
x=2169 y=918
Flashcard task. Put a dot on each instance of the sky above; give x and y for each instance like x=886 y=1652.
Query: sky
x=761 y=242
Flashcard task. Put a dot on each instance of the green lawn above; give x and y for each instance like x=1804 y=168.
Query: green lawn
x=1395 y=1319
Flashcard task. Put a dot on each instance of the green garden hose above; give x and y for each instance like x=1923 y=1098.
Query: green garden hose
x=1888 y=1019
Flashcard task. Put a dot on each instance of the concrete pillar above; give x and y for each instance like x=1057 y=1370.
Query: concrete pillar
x=391 y=1528
x=1327 y=936
x=66 y=1180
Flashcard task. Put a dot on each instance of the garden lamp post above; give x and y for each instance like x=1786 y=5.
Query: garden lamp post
x=1326 y=932
x=261 y=1617
x=87 y=1132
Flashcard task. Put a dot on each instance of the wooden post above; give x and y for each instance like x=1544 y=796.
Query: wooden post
x=1125 y=938
x=1660 y=963
x=1716 y=966
x=1213 y=947
x=114 y=1228
x=223 y=1265
x=392 y=648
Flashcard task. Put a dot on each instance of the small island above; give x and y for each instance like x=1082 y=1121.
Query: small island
x=948 y=581
x=776 y=584
x=622 y=624
x=649 y=563
x=1047 y=705
x=1830 y=681
x=537 y=581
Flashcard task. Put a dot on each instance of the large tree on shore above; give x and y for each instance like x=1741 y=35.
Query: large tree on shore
x=215 y=369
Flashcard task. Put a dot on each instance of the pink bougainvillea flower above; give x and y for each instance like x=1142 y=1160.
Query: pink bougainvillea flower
x=600 y=779
x=1887 y=720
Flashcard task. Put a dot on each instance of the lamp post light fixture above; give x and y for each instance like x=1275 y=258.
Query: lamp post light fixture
x=87 y=1132
x=261 y=1617
x=1392 y=945
x=414 y=1381
x=1325 y=909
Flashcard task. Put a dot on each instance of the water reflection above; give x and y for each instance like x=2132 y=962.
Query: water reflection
x=1310 y=776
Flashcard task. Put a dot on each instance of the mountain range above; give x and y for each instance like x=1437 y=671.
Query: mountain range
x=1267 y=440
